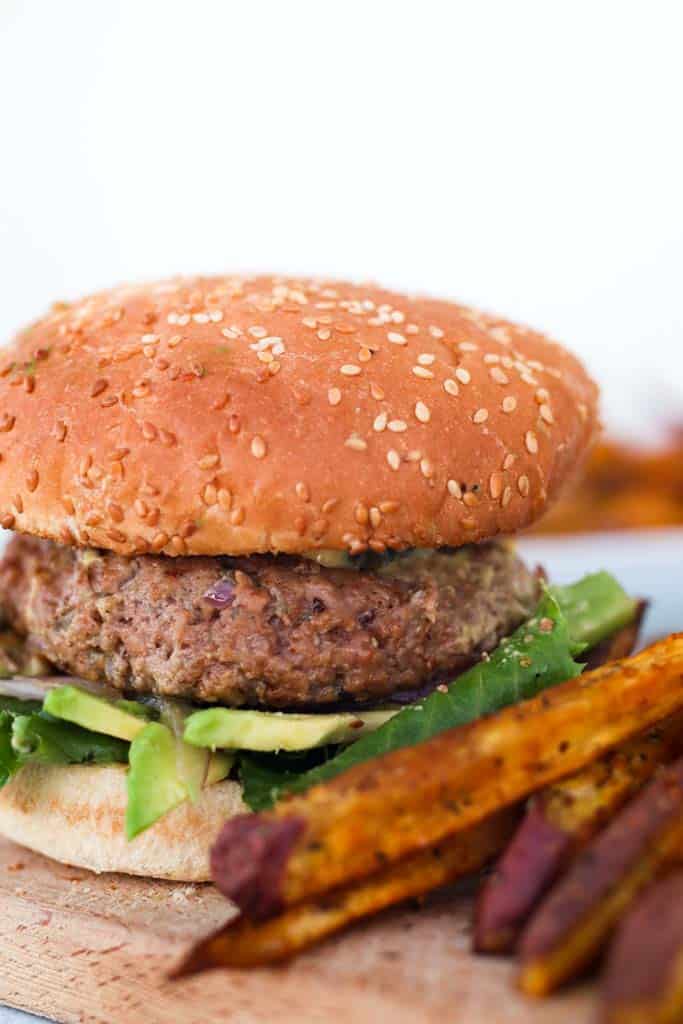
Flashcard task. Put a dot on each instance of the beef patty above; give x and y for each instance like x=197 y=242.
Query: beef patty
x=279 y=632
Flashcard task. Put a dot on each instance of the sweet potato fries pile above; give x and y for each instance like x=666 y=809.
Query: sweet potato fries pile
x=601 y=757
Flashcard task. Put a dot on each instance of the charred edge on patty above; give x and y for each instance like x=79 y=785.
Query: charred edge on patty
x=263 y=631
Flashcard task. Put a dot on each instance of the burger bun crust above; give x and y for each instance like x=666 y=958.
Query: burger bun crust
x=233 y=415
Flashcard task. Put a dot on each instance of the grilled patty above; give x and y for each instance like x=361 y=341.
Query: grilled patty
x=278 y=632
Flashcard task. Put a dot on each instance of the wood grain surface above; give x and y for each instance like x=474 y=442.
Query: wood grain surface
x=81 y=947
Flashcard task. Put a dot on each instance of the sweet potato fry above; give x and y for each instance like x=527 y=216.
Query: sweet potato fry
x=643 y=981
x=573 y=923
x=558 y=823
x=245 y=944
x=390 y=807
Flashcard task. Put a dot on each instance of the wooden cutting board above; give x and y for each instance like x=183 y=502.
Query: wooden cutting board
x=82 y=947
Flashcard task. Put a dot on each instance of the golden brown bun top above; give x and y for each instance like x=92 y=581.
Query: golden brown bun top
x=231 y=415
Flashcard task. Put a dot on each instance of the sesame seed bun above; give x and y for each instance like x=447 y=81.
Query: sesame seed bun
x=232 y=415
x=76 y=813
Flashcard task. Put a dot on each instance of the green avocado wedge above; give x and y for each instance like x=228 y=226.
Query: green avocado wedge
x=93 y=713
x=163 y=772
x=230 y=729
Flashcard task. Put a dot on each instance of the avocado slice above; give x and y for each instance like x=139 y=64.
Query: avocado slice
x=94 y=713
x=161 y=775
x=153 y=784
x=231 y=729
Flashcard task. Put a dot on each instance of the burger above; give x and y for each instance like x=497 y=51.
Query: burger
x=255 y=518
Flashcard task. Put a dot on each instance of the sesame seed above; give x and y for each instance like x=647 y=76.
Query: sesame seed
x=361 y=513
x=393 y=458
x=542 y=395
x=350 y=370
x=334 y=396
x=426 y=468
x=329 y=505
x=115 y=512
x=397 y=426
x=467 y=346
x=364 y=355
x=32 y=480
x=200 y=318
x=18 y=503
x=208 y=461
x=258 y=447
x=376 y=391
x=463 y=375
x=523 y=485
x=470 y=499
x=149 y=431
x=469 y=522
x=426 y=358
x=174 y=341
x=302 y=491
x=167 y=438
x=422 y=412
x=531 y=442
x=491 y=357
x=159 y=541
x=412 y=329
x=209 y=495
x=98 y=387
x=481 y=416
x=546 y=413
x=380 y=422
x=509 y=403
x=420 y=371
x=7 y=521
x=435 y=332
x=454 y=488
x=258 y=332
x=387 y=507
x=507 y=497
x=141 y=507
x=499 y=375
x=60 y=430
x=395 y=338
x=324 y=334
x=237 y=515
x=355 y=443
x=265 y=357
x=7 y=422
x=509 y=461
x=224 y=498
x=310 y=322
x=450 y=386
x=375 y=517
x=496 y=485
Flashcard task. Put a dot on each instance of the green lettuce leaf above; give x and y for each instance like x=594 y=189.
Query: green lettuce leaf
x=39 y=737
x=539 y=654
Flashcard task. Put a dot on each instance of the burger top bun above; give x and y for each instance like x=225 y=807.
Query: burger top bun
x=233 y=415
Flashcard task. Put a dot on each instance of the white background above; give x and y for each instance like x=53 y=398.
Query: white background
x=523 y=156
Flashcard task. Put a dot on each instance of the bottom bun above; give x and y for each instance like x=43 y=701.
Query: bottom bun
x=76 y=814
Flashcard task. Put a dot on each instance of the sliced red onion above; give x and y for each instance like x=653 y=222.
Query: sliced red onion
x=221 y=594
